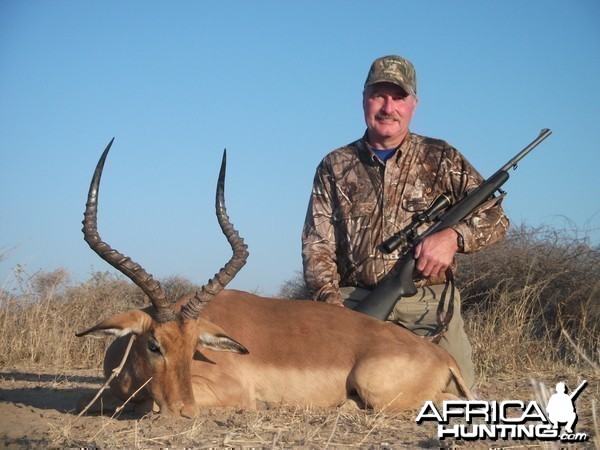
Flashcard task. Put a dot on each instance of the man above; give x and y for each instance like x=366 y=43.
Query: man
x=561 y=409
x=366 y=191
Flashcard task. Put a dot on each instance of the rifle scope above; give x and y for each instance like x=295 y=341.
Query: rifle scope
x=409 y=232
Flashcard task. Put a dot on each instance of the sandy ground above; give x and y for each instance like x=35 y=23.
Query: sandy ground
x=37 y=411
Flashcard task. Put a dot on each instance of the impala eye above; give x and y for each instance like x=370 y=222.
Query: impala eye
x=153 y=346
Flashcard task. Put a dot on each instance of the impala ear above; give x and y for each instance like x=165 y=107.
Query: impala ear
x=136 y=322
x=221 y=343
x=215 y=338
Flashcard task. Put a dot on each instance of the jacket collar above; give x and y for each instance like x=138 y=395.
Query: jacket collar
x=368 y=157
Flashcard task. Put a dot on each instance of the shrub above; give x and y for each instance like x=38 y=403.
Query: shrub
x=550 y=277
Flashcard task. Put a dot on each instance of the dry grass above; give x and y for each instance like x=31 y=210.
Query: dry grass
x=528 y=288
x=39 y=319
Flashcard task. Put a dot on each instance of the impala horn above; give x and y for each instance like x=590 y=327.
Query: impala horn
x=240 y=254
x=124 y=264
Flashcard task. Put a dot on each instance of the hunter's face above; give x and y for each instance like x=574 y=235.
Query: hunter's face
x=388 y=112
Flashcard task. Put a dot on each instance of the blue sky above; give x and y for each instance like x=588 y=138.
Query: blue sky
x=279 y=85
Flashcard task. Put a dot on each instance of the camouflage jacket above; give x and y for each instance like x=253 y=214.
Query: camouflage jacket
x=357 y=202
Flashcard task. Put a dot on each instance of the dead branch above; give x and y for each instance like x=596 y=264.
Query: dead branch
x=115 y=373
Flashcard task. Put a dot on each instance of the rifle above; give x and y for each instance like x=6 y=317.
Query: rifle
x=380 y=302
x=576 y=392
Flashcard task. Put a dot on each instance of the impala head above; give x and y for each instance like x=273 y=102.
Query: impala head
x=168 y=335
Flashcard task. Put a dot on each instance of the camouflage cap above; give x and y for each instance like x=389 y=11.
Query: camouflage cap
x=393 y=69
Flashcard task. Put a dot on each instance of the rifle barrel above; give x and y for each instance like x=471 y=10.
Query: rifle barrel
x=513 y=162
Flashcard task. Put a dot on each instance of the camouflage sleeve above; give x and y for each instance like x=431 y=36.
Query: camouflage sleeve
x=487 y=224
x=319 y=243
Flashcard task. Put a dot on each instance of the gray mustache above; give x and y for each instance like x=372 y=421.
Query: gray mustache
x=385 y=117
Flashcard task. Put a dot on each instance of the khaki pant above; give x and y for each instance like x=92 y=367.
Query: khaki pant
x=419 y=314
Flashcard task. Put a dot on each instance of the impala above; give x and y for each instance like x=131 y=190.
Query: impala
x=231 y=348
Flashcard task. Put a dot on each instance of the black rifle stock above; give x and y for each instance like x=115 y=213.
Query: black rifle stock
x=380 y=302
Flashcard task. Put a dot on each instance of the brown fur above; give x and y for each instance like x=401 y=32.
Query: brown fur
x=245 y=350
